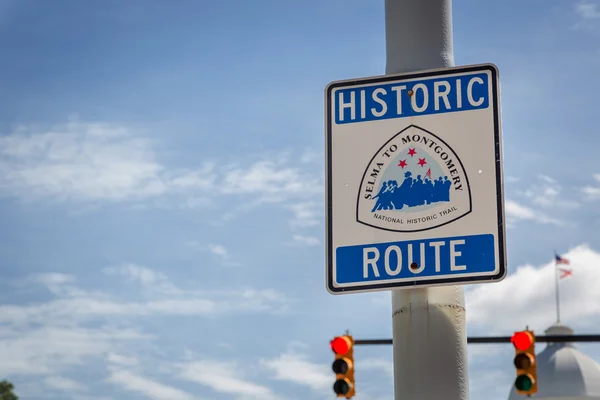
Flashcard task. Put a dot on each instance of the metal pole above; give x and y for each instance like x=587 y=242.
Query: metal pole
x=557 y=294
x=429 y=325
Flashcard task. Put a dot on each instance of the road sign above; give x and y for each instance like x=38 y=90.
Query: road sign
x=414 y=180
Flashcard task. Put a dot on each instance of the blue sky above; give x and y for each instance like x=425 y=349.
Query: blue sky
x=162 y=187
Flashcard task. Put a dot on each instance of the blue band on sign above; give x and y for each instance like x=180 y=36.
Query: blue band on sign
x=432 y=257
x=412 y=98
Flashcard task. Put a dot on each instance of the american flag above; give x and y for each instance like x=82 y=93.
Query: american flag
x=560 y=260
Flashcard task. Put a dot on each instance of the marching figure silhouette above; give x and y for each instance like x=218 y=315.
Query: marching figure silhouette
x=412 y=192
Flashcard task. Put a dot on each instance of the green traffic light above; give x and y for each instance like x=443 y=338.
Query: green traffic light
x=341 y=387
x=524 y=383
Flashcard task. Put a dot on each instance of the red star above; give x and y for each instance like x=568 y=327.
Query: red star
x=422 y=162
x=411 y=152
x=402 y=164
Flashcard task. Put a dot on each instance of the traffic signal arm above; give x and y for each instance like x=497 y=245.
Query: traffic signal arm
x=500 y=339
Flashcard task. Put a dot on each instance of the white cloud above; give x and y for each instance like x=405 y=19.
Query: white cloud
x=90 y=308
x=78 y=161
x=588 y=10
x=101 y=162
x=270 y=179
x=52 y=279
x=57 y=283
x=202 y=178
x=145 y=276
x=266 y=300
x=306 y=240
x=150 y=388
x=479 y=351
x=547 y=179
x=588 y=15
x=517 y=212
x=310 y=156
x=491 y=383
x=50 y=338
x=225 y=377
x=549 y=194
x=306 y=214
x=298 y=369
x=366 y=396
x=273 y=181
x=166 y=299
x=218 y=250
x=120 y=359
x=65 y=384
x=500 y=307
x=379 y=364
x=50 y=349
x=592 y=192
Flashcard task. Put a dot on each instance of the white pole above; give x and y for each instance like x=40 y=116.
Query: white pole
x=556 y=292
x=429 y=325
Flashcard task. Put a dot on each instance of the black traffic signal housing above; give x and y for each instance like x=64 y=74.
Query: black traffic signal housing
x=343 y=366
x=525 y=362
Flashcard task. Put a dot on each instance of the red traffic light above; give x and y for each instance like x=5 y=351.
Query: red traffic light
x=340 y=345
x=522 y=340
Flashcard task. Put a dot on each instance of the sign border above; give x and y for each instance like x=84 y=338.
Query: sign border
x=431 y=73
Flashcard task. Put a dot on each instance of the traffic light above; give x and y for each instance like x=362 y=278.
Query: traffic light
x=343 y=366
x=525 y=362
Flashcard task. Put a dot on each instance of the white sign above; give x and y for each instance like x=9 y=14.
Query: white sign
x=414 y=180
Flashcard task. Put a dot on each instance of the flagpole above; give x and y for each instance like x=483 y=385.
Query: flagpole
x=556 y=286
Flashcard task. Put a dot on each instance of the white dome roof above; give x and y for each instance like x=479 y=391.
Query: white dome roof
x=564 y=372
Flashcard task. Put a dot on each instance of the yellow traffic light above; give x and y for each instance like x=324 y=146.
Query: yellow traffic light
x=343 y=366
x=525 y=362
